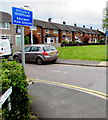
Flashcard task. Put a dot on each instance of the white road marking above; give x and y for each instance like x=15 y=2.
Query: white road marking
x=57 y=71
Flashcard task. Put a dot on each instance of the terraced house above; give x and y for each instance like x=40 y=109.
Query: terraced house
x=46 y=32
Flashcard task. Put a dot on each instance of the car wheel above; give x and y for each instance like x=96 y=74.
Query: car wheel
x=16 y=58
x=39 y=61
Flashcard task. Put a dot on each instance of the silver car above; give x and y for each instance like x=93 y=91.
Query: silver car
x=39 y=53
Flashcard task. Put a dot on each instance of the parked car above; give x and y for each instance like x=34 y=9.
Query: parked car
x=39 y=53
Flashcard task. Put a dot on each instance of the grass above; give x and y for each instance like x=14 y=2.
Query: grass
x=91 y=52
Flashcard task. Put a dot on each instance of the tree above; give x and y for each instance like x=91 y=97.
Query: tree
x=26 y=39
x=105 y=17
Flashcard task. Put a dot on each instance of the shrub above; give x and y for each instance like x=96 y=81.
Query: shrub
x=64 y=42
x=72 y=42
x=26 y=39
x=101 y=41
x=13 y=75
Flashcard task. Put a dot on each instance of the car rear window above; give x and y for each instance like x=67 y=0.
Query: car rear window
x=34 y=49
x=49 y=48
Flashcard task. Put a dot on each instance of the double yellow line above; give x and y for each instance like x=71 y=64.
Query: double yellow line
x=89 y=91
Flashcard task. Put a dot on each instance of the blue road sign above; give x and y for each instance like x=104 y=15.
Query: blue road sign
x=106 y=33
x=22 y=17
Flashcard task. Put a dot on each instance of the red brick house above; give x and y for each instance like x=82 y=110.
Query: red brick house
x=45 y=32
x=7 y=30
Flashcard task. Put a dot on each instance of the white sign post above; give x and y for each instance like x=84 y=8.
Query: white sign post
x=5 y=96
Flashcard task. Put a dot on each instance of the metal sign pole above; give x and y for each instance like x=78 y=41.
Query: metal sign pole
x=22 y=48
x=106 y=41
x=31 y=35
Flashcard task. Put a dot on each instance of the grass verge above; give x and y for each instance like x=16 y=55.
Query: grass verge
x=91 y=52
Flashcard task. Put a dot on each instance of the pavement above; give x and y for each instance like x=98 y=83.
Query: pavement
x=79 y=62
x=83 y=62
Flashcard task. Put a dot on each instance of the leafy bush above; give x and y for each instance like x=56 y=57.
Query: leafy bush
x=72 y=42
x=12 y=74
x=101 y=41
x=64 y=42
x=26 y=39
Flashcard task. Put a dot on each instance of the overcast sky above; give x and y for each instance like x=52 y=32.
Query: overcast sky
x=81 y=12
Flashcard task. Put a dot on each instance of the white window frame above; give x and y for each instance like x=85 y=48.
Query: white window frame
x=5 y=37
x=47 y=30
x=64 y=32
x=6 y=25
x=55 y=31
x=33 y=28
x=69 y=33
x=76 y=33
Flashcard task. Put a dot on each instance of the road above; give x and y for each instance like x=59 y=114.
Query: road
x=52 y=99
x=87 y=77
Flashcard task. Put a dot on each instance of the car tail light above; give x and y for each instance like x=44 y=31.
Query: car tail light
x=45 y=53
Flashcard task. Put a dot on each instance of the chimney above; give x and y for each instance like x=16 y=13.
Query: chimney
x=64 y=23
x=49 y=19
x=90 y=27
x=83 y=26
x=75 y=24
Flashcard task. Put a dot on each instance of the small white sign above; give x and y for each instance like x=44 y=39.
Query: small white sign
x=5 y=96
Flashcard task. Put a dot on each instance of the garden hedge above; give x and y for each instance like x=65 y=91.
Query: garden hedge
x=12 y=74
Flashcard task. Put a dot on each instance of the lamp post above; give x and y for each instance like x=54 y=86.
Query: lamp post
x=31 y=26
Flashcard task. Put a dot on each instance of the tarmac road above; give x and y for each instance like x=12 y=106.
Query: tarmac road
x=53 y=100
x=87 y=77
x=49 y=101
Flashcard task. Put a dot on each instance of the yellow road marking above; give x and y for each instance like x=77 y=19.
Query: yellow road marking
x=100 y=94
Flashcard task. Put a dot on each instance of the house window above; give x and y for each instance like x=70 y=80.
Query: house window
x=55 y=31
x=64 y=32
x=18 y=40
x=4 y=37
x=47 y=30
x=81 y=34
x=4 y=25
x=69 y=33
x=76 y=33
x=49 y=40
x=18 y=29
x=45 y=40
x=33 y=28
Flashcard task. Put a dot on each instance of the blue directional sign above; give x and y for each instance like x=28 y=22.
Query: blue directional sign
x=22 y=17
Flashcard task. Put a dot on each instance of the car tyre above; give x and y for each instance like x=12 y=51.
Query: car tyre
x=16 y=59
x=39 y=61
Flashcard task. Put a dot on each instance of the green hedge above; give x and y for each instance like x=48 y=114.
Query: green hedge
x=12 y=74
